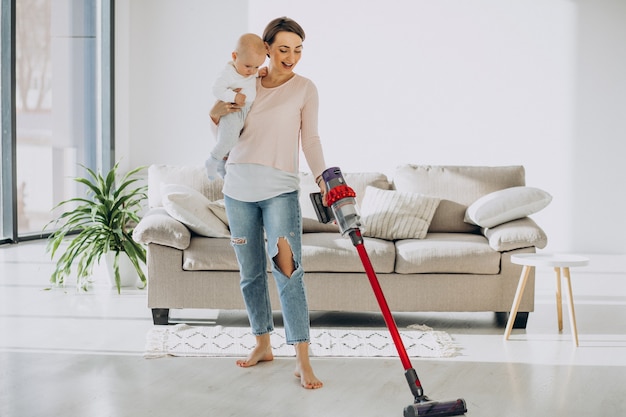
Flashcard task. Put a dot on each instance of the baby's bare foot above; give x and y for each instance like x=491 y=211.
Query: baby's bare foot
x=258 y=354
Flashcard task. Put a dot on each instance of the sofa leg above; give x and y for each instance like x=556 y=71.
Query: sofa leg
x=161 y=316
x=520 y=320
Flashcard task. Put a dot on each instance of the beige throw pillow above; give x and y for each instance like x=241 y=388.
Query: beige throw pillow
x=219 y=209
x=391 y=215
x=157 y=226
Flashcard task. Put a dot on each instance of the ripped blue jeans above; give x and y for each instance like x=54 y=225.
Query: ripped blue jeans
x=250 y=225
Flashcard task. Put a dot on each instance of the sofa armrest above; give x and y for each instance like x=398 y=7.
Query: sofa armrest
x=516 y=234
x=159 y=227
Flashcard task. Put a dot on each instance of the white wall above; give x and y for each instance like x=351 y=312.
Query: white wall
x=469 y=82
x=167 y=54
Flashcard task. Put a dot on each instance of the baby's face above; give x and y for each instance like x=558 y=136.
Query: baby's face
x=248 y=63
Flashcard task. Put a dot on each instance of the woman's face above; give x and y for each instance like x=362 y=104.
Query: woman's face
x=285 y=52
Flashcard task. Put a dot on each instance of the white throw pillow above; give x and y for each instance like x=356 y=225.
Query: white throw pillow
x=191 y=208
x=391 y=214
x=505 y=205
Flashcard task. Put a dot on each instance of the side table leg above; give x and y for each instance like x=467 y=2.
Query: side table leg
x=559 y=299
x=570 y=299
x=516 y=301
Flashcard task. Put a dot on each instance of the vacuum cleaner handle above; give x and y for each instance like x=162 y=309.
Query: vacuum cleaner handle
x=382 y=302
x=410 y=373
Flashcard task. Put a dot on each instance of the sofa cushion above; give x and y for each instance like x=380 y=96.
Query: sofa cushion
x=330 y=252
x=321 y=252
x=391 y=214
x=209 y=254
x=158 y=227
x=505 y=205
x=461 y=253
x=457 y=187
x=195 y=177
x=192 y=209
x=357 y=181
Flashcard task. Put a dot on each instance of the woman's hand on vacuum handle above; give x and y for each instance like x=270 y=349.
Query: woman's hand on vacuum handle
x=322 y=185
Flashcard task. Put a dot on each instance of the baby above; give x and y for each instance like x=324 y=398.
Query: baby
x=240 y=75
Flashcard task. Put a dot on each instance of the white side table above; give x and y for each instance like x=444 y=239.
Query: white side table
x=561 y=265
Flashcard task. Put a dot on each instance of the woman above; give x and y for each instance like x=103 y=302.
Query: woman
x=261 y=193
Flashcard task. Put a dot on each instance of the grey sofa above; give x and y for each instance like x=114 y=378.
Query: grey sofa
x=456 y=267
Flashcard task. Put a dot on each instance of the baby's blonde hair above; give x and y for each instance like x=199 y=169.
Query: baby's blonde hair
x=250 y=43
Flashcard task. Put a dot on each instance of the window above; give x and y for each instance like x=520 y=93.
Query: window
x=60 y=51
x=7 y=56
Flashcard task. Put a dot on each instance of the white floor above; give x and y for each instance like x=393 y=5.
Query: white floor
x=64 y=353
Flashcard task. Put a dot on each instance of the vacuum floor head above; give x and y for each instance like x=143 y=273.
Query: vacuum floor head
x=436 y=408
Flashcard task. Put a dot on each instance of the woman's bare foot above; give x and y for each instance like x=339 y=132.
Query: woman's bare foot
x=304 y=371
x=307 y=378
x=261 y=353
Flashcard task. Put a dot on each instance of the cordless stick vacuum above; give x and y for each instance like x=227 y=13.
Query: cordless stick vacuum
x=342 y=208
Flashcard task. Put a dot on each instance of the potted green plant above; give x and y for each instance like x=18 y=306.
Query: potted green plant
x=101 y=223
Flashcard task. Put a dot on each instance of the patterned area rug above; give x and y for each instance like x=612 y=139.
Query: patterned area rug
x=184 y=340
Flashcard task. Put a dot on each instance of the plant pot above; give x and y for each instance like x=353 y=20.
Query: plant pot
x=128 y=274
